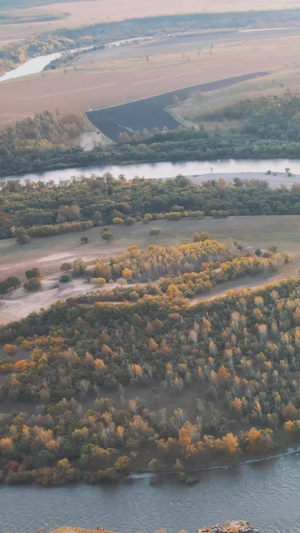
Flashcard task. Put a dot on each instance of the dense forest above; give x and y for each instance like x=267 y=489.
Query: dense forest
x=43 y=131
x=85 y=364
x=267 y=117
x=47 y=209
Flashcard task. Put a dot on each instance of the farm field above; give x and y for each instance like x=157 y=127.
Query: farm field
x=49 y=253
x=106 y=84
x=150 y=113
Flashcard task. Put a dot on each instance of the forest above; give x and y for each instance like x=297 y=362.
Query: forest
x=267 y=117
x=84 y=364
x=43 y=209
x=43 y=131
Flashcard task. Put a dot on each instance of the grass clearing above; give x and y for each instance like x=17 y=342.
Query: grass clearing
x=50 y=252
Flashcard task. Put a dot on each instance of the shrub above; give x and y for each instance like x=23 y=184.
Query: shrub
x=12 y=282
x=99 y=281
x=107 y=236
x=22 y=236
x=84 y=240
x=32 y=285
x=10 y=348
x=79 y=267
x=117 y=220
x=65 y=267
x=134 y=296
x=33 y=273
x=155 y=232
x=173 y=215
x=202 y=236
x=65 y=278
x=129 y=221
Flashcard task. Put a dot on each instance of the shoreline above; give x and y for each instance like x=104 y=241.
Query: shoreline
x=263 y=458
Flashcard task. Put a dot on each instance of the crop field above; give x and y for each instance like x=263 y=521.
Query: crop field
x=112 y=83
x=150 y=113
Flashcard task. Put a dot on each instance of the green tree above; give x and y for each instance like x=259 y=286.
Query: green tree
x=107 y=236
x=22 y=236
x=32 y=285
x=33 y=273
x=155 y=232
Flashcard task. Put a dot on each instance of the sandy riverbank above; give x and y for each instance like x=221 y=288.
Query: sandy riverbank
x=275 y=180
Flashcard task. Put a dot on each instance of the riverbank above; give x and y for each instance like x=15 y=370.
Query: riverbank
x=266 y=494
x=197 y=171
x=80 y=530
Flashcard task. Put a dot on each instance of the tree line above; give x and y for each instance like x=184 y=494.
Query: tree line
x=42 y=209
x=267 y=117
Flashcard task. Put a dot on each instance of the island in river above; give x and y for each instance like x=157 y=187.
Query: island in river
x=235 y=526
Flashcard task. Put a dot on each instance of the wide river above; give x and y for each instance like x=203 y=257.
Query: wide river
x=266 y=494
x=197 y=170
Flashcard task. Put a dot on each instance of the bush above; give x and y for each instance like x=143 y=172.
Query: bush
x=65 y=278
x=155 y=232
x=202 y=236
x=33 y=273
x=173 y=215
x=99 y=281
x=10 y=348
x=22 y=236
x=134 y=296
x=65 y=267
x=79 y=267
x=32 y=285
x=219 y=214
x=107 y=236
x=118 y=220
x=84 y=240
x=129 y=221
x=12 y=282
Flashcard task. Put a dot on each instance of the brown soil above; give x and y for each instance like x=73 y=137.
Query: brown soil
x=112 y=83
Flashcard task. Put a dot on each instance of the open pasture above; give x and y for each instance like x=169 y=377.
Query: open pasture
x=49 y=253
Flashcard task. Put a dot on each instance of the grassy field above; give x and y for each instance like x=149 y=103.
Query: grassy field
x=48 y=253
x=193 y=109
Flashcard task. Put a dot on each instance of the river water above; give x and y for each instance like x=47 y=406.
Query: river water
x=37 y=64
x=266 y=494
x=197 y=170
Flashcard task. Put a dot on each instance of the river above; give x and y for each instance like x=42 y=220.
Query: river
x=266 y=494
x=37 y=64
x=198 y=171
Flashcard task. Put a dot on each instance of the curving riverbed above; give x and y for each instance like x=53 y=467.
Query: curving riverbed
x=197 y=171
x=37 y=64
x=266 y=494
